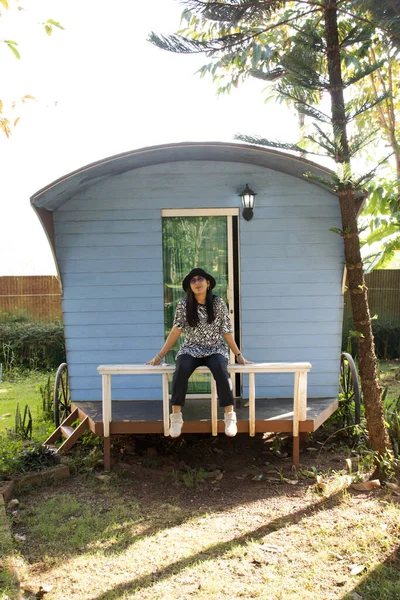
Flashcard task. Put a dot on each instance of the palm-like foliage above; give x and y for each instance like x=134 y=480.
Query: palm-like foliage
x=307 y=47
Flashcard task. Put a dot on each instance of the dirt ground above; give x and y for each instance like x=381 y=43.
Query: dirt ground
x=227 y=469
x=202 y=517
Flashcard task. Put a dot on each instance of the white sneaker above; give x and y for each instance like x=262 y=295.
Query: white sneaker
x=176 y=422
x=230 y=424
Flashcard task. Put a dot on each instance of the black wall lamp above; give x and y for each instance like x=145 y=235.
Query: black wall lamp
x=247 y=197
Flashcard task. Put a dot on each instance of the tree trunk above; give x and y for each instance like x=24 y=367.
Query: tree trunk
x=370 y=383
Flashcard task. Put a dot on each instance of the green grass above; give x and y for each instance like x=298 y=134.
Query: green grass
x=23 y=390
x=101 y=541
x=125 y=537
x=390 y=377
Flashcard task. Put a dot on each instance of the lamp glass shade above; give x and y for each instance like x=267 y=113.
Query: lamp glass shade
x=247 y=197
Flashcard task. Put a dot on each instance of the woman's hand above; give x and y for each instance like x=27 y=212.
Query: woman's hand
x=242 y=361
x=155 y=361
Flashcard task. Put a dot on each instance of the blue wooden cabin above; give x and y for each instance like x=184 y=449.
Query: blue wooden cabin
x=118 y=263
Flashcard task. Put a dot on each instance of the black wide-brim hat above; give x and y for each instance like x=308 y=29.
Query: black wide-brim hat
x=193 y=273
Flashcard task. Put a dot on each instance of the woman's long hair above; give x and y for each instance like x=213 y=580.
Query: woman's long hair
x=192 y=304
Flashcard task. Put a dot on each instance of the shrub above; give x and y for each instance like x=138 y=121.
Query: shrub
x=31 y=346
x=392 y=418
x=18 y=457
x=386 y=336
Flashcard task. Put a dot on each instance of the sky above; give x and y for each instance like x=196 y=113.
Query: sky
x=101 y=89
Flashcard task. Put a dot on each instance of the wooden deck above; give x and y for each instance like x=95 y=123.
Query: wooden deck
x=145 y=416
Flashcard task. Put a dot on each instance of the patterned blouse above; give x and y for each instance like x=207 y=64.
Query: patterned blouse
x=206 y=338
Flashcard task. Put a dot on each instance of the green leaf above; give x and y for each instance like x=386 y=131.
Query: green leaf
x=355 y=333
x=368 y=70
x=330 y=183
x=55 y=23
x=12 y=45
x=260 y=141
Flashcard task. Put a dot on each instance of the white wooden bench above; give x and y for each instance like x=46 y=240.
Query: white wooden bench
x=300 y=370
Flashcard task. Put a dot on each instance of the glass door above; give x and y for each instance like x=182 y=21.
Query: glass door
x=189 y=242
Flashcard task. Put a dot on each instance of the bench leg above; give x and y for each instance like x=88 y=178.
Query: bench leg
x=252 y=405
x=296 y=450
x=107 y=418
x=107 y=453
x=214 y=414
x=165 y=404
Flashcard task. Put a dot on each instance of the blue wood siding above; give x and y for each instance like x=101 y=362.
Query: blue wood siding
x=109 y=250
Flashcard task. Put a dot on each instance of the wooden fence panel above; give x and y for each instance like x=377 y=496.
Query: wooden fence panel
x=36 y=298
x=383 y=295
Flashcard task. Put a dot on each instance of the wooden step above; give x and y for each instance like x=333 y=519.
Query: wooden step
x=75 y=435
x=74 y=416
x=66 y=430
x=58 y=432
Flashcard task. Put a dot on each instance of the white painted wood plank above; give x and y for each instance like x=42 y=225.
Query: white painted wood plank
x=110 y=227
x=111 y=344
x=292 y=341
x=112 y=278
x=302 y=315
x=252 y=405
x=117 y=304
x=289 y=263
x=199 y=212
x=296 y=404
x=270 y=277
x=133 y=253
x=141 y=382
x=81 y=371
x=294 y=328
x=108 y=239
x=302 y=396
x=214 y=417
x=117 y=291
x=118 y=330
x=292 y=302
x=298 y=236
x=107 y=409
x=106 y=214
x=139 y=369
x=328 y=251
x=165 y=396
x=289 y=224
x=293 y=290
x=89 y=267
x=155 y=395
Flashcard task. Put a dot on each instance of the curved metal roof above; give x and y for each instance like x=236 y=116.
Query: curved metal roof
x=55 y=194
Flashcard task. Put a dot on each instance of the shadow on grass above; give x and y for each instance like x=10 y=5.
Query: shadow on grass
x=116 y=513
x=219 y=549
x=111 y=516
x=383 y=583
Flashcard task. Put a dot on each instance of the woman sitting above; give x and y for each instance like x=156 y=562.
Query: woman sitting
x=205 y=320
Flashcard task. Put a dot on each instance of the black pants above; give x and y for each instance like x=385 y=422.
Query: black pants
x=186 y=364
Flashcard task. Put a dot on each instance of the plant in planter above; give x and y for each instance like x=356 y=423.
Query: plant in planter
x=18 y=457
